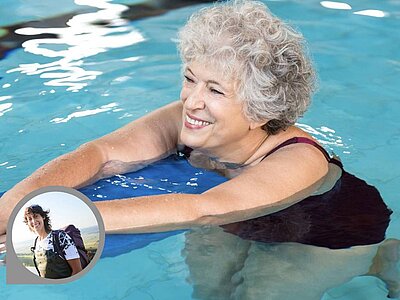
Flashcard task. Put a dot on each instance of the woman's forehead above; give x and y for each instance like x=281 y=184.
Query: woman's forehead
x=211 y=71
x=29 y=214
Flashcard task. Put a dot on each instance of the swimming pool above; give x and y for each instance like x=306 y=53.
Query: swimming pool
x=97 y=78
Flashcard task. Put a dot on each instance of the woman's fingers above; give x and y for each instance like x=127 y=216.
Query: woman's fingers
x=3 y=249
x=3 y=260
x=3 y=243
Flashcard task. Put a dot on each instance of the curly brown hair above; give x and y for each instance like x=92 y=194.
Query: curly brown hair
x=37 y=209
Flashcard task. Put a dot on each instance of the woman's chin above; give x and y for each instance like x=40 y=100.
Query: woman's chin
x=189 y=140
x=190 y=143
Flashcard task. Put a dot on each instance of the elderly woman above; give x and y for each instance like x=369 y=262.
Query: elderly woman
x=247 y=79
x=48 y=261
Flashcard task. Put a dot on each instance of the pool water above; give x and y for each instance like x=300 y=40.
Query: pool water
x=56 y=94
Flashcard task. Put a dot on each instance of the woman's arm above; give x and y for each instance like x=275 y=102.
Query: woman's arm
x=145 y=139
x=284 y=178
x=75 y=265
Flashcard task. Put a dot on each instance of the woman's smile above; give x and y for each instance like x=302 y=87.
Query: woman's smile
x=36 y=223
x=193 y=122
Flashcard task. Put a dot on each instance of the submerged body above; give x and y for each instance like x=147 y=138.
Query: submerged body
x=224 y=266
x=319 y=243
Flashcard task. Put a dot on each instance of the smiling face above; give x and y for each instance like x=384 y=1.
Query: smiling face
x=213 y=118
x=35 y=223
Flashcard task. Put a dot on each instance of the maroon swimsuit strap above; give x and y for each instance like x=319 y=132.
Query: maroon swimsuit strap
x=305 y=140
x=187 y=150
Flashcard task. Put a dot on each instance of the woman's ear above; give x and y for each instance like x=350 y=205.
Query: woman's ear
x=255 y=125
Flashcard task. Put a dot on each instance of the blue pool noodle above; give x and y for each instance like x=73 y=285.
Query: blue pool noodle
x=171 y=175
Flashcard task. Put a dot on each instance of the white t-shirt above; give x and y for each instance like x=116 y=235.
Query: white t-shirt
x=67 y=245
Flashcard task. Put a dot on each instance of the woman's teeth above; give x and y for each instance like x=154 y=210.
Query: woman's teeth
x=196 y=122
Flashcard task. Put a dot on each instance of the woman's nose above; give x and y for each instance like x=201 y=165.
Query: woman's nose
x=195 y=100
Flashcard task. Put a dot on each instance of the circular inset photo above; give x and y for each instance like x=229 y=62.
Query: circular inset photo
x=56 y=234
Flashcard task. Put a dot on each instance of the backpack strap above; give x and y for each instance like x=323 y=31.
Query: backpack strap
x=55 y=234
x=34 y=256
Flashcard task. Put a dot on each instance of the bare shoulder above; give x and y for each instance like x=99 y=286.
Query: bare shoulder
x=299 y=165
x=285 y=177
x=304 y=153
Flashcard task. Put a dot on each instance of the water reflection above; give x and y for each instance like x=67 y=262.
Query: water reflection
x=104 y=108
x=344 y=6
x=3 y=98
x=86 y=35
x=335 y=5
x=372 y=13
x=327 y=137
x=5 y=107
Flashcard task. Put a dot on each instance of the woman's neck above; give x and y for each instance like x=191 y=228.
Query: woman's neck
x=241 y=152
x=42 y=234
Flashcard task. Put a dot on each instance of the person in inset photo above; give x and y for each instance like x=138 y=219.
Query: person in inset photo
x=56 y=235
x=55 y=254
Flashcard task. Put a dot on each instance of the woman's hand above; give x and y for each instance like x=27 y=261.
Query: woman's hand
x=2 y=249
x=2 y=243
x=5 y=213
x=3 y=226
x=75 y=265
x=7 y=203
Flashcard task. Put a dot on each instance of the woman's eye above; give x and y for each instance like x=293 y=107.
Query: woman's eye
x=188 y=79
x=216 y=91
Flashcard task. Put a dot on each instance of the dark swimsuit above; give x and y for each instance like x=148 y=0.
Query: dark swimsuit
x=351 y=213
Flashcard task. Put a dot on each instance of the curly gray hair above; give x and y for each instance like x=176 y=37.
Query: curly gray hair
x=266 y=57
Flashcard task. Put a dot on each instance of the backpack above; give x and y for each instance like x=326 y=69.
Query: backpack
x=75 y=235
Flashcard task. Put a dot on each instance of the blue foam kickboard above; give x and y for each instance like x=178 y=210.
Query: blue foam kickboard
x=171 y=175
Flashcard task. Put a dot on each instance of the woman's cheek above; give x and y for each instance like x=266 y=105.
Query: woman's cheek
x=183 y=95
